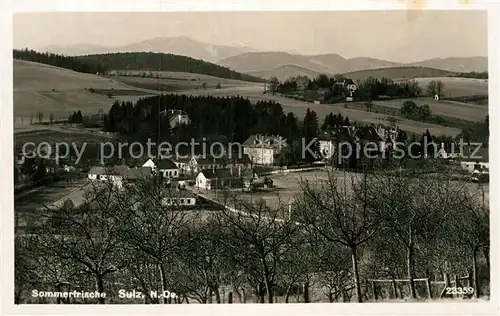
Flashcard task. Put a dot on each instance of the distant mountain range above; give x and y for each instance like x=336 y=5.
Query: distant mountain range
x=270 y=63
x=284 y=72
x=180 y=45
x=267 y=64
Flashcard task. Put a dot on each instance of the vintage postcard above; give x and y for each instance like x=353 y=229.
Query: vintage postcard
x=252 y=158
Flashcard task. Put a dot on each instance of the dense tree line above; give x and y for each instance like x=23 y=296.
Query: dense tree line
x=477 y=132
x=472 y=74
x=338 y=234
x=234 y=118
x=69 y=62
x=102 y=63
x=165 y=62
x=368 y=89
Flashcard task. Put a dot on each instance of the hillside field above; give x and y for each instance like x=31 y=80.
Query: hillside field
x=49 y=89
x=173 y=81
x=397 y=73
x=457 y=87
x=464 y=111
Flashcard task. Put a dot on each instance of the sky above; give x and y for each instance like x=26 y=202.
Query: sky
x=399 y=36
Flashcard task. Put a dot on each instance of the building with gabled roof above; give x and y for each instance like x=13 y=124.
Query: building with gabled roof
x=118 y=175
x=264 y=149
x=179 y=198
x=218 y=179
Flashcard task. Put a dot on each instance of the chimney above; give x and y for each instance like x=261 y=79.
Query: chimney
x=239 y=171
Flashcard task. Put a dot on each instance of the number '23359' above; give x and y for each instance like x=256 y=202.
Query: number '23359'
x=459 y=290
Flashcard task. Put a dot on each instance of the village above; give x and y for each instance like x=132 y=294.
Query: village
x=252 y=170
x=323 y=169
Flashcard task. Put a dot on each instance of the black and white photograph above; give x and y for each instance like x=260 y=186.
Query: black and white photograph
x=250 y=157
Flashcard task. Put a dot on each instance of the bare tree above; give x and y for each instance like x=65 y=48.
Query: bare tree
x=435 y=87
x=51 y=117
x=341 y=213
x=471 y=228
x=86 y=236
x=415 y=207
x=262 y=232
x=152 y=227
x=202 y=265
x=40 y=117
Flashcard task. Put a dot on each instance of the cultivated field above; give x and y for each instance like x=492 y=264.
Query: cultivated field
x=458 y=87
x=182 y=80
x=69 y=135
x=464 y=111
x=397 y=73
x=49 y=89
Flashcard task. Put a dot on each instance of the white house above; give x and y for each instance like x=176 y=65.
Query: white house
x=180 y=198
x=471 y=166
x=218 y=179
x=166 y=167
x=176 y=117
x=118 y=175
x=150 y=164
x=263 y=149
x=348 y=86
x=327 y=143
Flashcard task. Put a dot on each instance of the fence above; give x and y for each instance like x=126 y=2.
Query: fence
x=445 y=283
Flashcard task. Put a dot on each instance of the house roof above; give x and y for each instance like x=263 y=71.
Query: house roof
x=137 y=173
x=97 y=170
x=219 y=174
x=164 y=164
x=327 y=135
x=172 y=112
x=264 y=141
x=183 y=159
x=211 y=160
x=124 y=171
x=174 y=193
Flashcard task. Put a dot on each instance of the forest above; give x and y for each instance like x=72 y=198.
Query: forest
x=165 y=62
x=102 y=63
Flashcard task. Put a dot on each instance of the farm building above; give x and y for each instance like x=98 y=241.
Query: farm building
x=118 y=175
x=218 y=179
x=166 y=167
x=180 y=198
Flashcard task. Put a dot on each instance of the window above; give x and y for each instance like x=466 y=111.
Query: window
x=183 y=201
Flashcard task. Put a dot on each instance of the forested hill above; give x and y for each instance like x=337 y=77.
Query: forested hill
x=133 y=61
x=165 y=62
x=73 y=63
